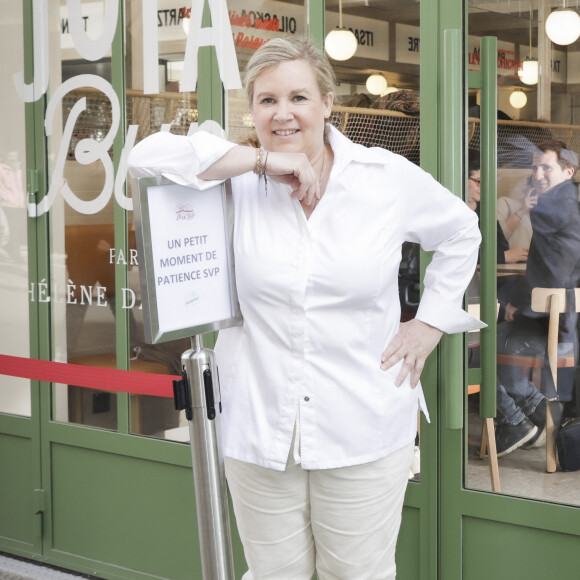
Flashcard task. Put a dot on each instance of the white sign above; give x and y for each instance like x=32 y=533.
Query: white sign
x=186 y=268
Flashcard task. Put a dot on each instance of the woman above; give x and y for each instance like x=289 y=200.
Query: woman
x=318 y=385
x=505 y=254
x=513 y=214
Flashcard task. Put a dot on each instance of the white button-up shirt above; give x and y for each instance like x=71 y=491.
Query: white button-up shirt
x=320 y=299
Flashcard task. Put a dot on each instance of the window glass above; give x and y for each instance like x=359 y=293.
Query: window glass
x=537 y=105
x=162 y=101
x=82 y=119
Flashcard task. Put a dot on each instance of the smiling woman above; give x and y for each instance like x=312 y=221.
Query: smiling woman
x=318 y=385
x=288 y=111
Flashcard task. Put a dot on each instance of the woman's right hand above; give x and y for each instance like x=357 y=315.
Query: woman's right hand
x=295 y=170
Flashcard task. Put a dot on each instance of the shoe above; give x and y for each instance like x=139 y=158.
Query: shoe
x=538 y=418
x=510 y=437
x=538 y=440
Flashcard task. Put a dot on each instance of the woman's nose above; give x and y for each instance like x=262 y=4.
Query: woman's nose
x=283 y=112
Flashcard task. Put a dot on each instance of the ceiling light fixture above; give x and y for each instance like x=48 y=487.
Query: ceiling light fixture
x=376 y=84
x=340 y=43
x=530 y=70
x=563 y=26
x=518 y=99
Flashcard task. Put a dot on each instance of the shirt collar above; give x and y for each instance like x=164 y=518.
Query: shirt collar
x=345 y=151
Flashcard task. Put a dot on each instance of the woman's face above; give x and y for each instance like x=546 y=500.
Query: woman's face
x=474 y=187
x=287 y=108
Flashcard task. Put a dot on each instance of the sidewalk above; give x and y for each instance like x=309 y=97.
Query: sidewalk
x=14 y=569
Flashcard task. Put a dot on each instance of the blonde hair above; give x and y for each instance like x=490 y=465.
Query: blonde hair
x=280 y=50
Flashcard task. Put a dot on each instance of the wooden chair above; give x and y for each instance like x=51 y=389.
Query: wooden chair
x=488 y=447
x=552 y=300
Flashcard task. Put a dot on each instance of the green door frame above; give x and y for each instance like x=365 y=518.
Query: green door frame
x=84 y=482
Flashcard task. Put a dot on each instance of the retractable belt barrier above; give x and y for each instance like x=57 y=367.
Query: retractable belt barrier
x=105 y=379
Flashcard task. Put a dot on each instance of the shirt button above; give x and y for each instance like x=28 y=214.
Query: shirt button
x=307 y=399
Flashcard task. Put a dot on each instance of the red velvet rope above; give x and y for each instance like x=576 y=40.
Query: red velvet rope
x=105 y=379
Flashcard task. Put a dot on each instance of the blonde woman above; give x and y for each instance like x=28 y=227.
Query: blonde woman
x=320 y=386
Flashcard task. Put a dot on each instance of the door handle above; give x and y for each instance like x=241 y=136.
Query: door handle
x=488 y=224
x=452 y=121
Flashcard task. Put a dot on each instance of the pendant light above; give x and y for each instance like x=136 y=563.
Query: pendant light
x=376 y=84
x=340 y=43
x=563 y=26
x=529 y=72
x=518 y=99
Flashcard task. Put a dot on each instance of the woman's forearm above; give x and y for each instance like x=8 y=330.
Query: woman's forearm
x=241 y=159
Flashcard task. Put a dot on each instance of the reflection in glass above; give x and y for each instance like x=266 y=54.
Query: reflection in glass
x=174 y=110
x=83 y=278
x=537 y=211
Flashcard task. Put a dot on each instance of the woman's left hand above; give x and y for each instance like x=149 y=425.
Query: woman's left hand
x=413 y=344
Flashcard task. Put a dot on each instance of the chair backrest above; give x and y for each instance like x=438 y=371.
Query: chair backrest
x=553 y=300
x=541 y=299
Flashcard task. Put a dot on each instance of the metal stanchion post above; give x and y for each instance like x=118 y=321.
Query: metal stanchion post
x=198 y=393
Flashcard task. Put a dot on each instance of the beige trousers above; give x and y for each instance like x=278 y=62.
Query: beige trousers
x=342 y=523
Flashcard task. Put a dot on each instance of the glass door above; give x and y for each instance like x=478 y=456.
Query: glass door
x=519 y=135
x=535 y=159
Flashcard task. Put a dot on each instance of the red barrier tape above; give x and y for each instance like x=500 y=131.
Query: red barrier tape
x=137 y=383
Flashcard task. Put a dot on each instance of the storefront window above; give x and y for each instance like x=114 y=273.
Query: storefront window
x=82 y=118
x=166 y=102
x=14 y=339
x=537 y=104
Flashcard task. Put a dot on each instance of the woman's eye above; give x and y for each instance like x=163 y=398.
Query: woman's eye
x=267 y=101
x=299 y=98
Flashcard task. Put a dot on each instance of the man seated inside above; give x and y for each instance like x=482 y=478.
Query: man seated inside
x=553 y=262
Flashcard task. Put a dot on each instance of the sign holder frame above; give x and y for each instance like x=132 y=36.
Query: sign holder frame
x=148 y=235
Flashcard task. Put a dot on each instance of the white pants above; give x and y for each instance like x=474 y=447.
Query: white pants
x=342 y=522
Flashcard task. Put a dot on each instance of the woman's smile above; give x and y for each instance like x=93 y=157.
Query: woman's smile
x=285 y=132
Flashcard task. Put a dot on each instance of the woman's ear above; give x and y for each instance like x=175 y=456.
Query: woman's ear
x=328 y=102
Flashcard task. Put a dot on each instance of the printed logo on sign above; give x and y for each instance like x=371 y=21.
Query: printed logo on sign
x=184 y=213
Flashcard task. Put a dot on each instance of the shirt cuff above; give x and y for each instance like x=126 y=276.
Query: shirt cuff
x=444 y=315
